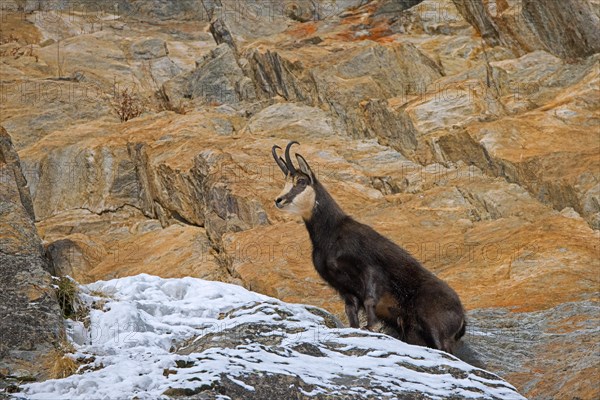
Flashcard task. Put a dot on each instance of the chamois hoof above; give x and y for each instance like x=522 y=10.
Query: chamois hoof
x=368 y=328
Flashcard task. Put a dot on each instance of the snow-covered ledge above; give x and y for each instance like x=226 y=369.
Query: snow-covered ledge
x=150 y=338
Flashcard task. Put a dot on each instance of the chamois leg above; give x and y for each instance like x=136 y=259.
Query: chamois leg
x=372 y=297
x=372 y=319
x=400 y=328
x=448 y=345
x=435 y=338
x=352 y=306
x=443 y=343
x=442 y=330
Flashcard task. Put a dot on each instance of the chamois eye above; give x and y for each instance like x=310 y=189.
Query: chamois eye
x=301 y=181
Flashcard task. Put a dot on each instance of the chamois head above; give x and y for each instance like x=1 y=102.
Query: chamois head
x=298 y=195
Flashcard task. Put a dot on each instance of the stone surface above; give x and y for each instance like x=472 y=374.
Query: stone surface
x=530 y=25
x=317 y=343
x=236 y=22
x=477 y=155
x=217 y=79
x=30 y=318
x=344 y=80
x=149 y=48
x=88 y=247
x=514 y=339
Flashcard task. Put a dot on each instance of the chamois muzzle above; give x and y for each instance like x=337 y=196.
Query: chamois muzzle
x=279 y=202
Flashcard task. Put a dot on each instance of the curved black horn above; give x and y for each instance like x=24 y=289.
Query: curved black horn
x=279 y=160
x=288 y=160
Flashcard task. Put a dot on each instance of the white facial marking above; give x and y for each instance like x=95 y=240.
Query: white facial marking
x=288 y=186
x=304 y=202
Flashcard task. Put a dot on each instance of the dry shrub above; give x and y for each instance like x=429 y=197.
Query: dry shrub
x=127 y=105
x=18 y=52
x=9 y=39
x=58 y=363
x=66 y=293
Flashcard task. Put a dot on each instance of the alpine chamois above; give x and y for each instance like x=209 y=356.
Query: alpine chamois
x=368 y=270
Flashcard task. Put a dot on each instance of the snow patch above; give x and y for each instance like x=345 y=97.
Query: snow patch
x=132 y=339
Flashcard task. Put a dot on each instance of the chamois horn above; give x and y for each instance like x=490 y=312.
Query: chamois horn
x=279 y=160
x=288 y=160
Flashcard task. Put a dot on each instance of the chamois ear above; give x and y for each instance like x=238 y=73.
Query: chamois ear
x=305 y=168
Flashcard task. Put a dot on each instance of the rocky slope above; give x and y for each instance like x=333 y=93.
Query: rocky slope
x=465 y=131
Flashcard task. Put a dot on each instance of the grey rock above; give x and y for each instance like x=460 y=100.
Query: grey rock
x=223 y=126
x=280 y=336
x=177 y=89
x=292 y=118
x=30 y=318
x=163 y=69
x=217 y=79
x=533 y=25
x=516 y=343
x=234 y=21
x=221 y=33
x=548 y=19
x=476 y=14
x=149 y=48
x=352 y=85
x=222 y=211
x=11 y=165
x=156 y=9
x=395 y=7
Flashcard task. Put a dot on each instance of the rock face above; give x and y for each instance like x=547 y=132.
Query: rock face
x=530 y=25
x=30 y=318
x=192 y=338
x=511 y=341
x=463 y=130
